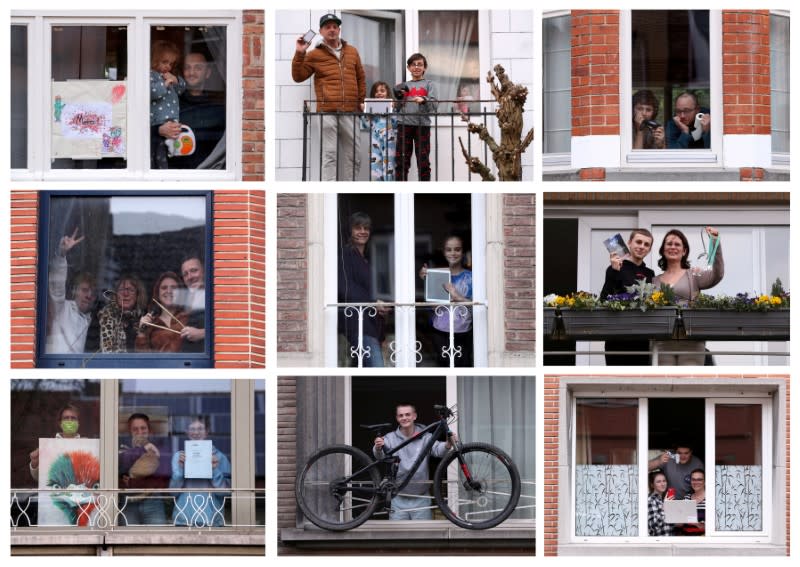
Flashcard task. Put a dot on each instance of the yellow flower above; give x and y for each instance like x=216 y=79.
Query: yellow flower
x=763 y=299
x=570 y=301
x=560 y=300
x=775 y=300
x=657 y=296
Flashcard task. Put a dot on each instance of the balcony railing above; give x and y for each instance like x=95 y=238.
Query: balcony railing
x=105 y=509
x=360 y=310
x=447 y=126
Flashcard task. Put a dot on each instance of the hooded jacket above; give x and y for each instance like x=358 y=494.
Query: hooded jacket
x=339 y=84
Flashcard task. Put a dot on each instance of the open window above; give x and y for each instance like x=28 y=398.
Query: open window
x=125 y=279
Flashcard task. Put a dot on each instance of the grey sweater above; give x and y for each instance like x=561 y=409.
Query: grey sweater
x=412 y=113
x=408 y=455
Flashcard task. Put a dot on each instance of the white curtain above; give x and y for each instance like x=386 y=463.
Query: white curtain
x=779 y=81
x=557 y=84
x=446 y=41
x=501 y=411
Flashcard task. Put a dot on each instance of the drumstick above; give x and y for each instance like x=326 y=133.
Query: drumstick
x=168 y=313
x=161 y=327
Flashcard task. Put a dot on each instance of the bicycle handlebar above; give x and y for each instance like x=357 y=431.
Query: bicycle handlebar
x=443 y=411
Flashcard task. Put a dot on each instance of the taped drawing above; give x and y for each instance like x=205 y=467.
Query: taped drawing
x=71 y=469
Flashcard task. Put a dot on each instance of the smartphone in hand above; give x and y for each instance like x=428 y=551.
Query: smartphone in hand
x=309 y=35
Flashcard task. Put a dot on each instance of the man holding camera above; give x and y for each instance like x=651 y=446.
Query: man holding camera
x=340 y=87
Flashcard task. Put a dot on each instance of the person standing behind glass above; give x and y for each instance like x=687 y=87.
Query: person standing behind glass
x=200 y=509
x=141 y=466
x=68 y=423
x=355 y=286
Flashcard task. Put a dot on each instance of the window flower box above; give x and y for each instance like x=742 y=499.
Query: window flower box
x=772 y=325
x=599 y=324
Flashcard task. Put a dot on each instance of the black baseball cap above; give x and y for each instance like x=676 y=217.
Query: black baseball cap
x=329 y=18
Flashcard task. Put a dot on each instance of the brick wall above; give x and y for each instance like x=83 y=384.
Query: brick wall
x=550 y=493
x=24 y=250
x=519 y=264
x=745 y=71
x=239 y=272
x=287 y=450
x=595 y=72
x=253 y=95
x=292 y=285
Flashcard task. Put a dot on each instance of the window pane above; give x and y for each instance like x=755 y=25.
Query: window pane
x=444 y=230
x=259 y=449
x=19 y=97
x=43 y=411
x=606 y=473
x=501 y=411
x=739 y=471
x=125 y=275
x=89 y=70
x=366 y=277
x=779 y=81
x=187 y=77
x=376 y=46
x=449 y=40
x=159 y=419
x=671 y=57
x=557 y=86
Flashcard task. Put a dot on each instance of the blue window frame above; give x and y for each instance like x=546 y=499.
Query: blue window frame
x=121 y=275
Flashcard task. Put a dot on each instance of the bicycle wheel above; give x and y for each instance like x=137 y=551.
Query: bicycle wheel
x=482 y=488
x=337 y=489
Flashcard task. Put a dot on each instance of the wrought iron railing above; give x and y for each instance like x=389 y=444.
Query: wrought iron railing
x=447 y=160
x=360 y=310
x=108 y=509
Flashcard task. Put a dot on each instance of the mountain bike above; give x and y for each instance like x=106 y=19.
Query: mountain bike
x=476 y=485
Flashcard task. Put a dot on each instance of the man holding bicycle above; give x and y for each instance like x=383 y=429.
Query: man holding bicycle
x=414 y=503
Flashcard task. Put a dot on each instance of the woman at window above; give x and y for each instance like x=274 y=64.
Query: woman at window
x=460 y=289
x=686 y=283
x=160 y=328
x=698 y=494
x=656 y=524
x=647 y=133
x=200 y=508
x=119 y=319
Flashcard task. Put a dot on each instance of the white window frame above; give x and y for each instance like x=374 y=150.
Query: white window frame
x=138 y=25
x=562 y=161
x=781 y=160
x=711 y=397
x=405 y=274
x=671 y=159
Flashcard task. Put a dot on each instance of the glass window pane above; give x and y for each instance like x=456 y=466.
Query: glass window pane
x=557 y=86
x=125 y=274
x=444 y=234
x=259 y=449
x=174 y=435
x=187 y=74
x=501 y=411
x=449 y=40
x=779 y=81
x=606 y=473
x=60 y=413
x=670 y=58
x=88 y=98
x=365 y=275
x=738 y=466
x=19 y=97
x=376 y=46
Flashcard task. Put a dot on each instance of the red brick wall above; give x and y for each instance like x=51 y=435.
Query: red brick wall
x=24 y=250
x=253 y=95
x=292 y=258
x=549 y=493
x=239 y=272
x=745 y=71
x=519 y=265
x=595 y=72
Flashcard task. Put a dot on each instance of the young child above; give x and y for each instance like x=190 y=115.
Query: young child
x=383 y=137
x=418 y=99
x=165 y=88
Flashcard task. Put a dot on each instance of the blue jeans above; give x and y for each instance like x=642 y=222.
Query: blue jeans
x=142 y=510
x=375 y=358
x=401 y=505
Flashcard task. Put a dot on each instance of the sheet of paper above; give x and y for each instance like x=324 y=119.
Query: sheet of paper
x=198 y=459
x=680 y=511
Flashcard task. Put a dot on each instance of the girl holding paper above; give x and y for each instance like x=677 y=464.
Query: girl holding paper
x=160 y=328
x=686 y=283
x=460 y=289
x=200 y=509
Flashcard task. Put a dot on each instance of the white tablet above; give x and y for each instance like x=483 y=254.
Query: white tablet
x=435 y=281
x=378 y=105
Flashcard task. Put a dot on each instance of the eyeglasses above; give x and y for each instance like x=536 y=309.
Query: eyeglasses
x=698 y=479
x=684 y=110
